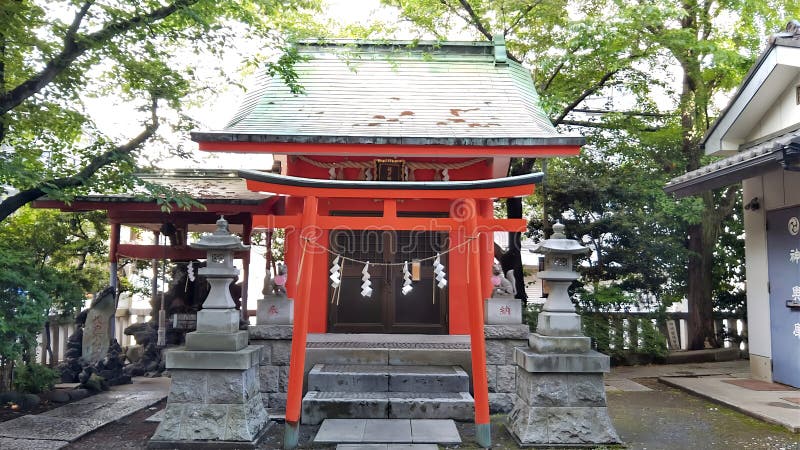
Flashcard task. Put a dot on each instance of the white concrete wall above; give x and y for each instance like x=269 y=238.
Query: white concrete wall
x=783 y=113
x=756 y=266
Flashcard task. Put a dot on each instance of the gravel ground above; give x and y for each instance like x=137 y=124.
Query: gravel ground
x=664 y=418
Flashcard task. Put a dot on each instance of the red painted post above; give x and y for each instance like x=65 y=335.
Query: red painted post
x=294 y=398
x=480 y=382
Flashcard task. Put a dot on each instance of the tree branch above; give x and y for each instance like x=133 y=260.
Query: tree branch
x=520 y=16
x=584 y=123
x=16 y=201
x=624 y=113
x=728 y=202
x=552 y=77
x=589 y=91
x=74 y=48
x=476 y=21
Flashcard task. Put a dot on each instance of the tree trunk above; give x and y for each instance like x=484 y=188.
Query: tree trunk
x=698 y=287
x=512 y=258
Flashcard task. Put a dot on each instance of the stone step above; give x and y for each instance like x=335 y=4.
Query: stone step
x=387 y=378
x=386 y=434
x=318 y=406
x=394 y=354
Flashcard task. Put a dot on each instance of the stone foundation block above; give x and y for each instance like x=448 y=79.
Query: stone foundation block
x=506 y=379
x=559 y=344
x=275 y=310
x=180 y=358
x=506 y=331
x=267 y=332
x=503 y=311
x=560 y=389
x=218 y=320
x=559 y=324
x=460 y=406
x=589 y=362
x=318 y=406
x=231 y=342
x=501 y=402
x=566 y=425
x=269 y=378
x=281 y=352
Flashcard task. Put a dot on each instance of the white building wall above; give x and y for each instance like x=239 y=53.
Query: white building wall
x=775 y=190
x=783 y=113
x=758 y=317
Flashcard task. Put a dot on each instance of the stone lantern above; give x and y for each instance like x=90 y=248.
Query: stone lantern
x=559 y=327
x=214 y=399
x=560 y=398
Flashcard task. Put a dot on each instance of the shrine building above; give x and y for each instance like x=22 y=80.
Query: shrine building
x=439 y=113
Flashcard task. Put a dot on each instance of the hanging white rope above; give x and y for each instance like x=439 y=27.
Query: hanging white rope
x=406 y=280
x=438 y=271
x=190 y=271
x=336 y=273
x=366 y=285
x=397 y=264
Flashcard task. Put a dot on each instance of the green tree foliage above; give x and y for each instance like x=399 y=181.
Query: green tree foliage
x=638 y=79
x=49 y=261
x=148 y=54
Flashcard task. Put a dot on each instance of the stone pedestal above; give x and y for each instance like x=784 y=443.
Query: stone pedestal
x=502 y=311
x=561 y=400
x=214 y=400
x=275 y=310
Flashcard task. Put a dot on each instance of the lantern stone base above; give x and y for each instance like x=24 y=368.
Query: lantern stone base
x=502 y=311
x=231 y=342
x=218 y=320
x=561 y=400
x=214 y=400
x=274 y=310
x=559 y=344
x=555 y=323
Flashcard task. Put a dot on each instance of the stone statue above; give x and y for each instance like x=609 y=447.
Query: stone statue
x=503 y=286
x=276 y=285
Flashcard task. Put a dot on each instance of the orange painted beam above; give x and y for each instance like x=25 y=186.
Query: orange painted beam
x=303 y=191
x=149 y=251
x=390 y=223
x=297 y=359
x=476 y=333
x=271 y=221
x=444 y=151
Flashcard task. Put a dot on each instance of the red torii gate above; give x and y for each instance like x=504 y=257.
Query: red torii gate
x=464 y=218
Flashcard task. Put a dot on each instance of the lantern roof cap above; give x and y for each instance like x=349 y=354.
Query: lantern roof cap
x=220 y=239
x=558 y=243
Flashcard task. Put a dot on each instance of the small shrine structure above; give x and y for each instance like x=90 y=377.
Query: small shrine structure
x=391 y=157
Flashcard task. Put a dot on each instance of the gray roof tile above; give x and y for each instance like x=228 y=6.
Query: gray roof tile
x=383 y=92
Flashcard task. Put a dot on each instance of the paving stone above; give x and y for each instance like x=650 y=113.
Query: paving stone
x=362 y=447
x=157 y=417
x=334 y=431
x=626 y=385
x=387 y=430
x=434 y=431
x=31 y=444
x=57 y=428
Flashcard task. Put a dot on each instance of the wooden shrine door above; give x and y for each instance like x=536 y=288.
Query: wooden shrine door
x=423 y=310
